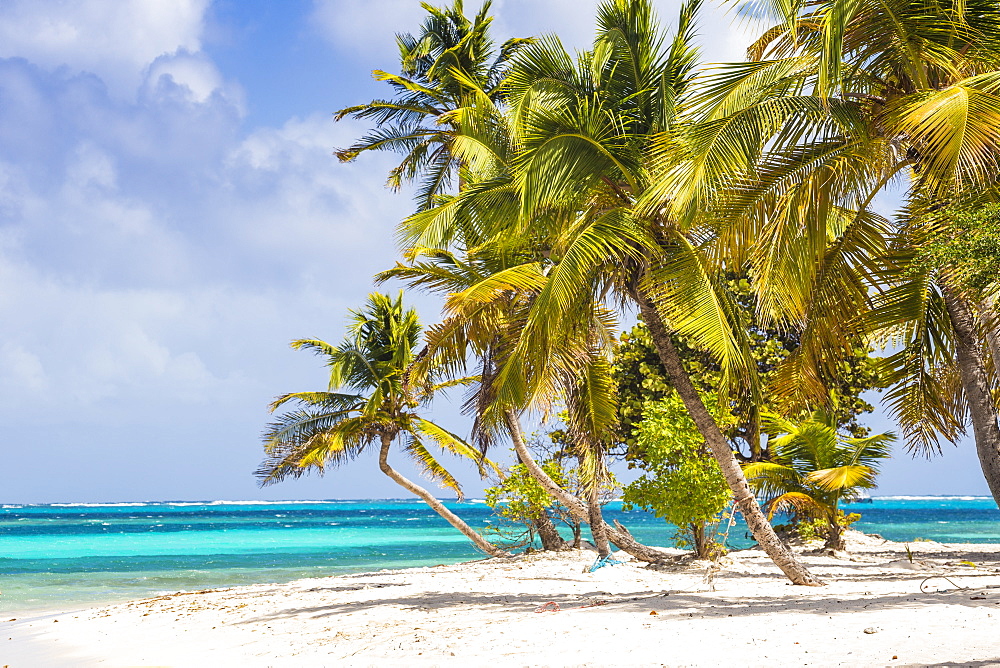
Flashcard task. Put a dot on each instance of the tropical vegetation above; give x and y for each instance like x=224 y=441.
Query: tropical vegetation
x=815 y=468
x=368 y=402
x=681 y=483
x=732 y=207
x=450 y=59
x=519 y=500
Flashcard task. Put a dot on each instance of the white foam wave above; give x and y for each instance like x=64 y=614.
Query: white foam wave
x=130 y=504
x=931 y=498
x=244 y=503
x=177 y=504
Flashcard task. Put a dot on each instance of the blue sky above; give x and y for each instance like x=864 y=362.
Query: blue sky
x=171 y=215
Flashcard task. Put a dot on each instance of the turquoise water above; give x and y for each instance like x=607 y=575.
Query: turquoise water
x=946 y=519
x=71 y=555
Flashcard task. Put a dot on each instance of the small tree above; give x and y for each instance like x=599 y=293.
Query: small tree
x=682 y=484
x=519 y=499
x=641 y=377
x=367 y=403
x=815 y=468
x=963 y=242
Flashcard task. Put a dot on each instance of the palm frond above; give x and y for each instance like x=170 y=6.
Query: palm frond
x=842 y=477
x=431 y=467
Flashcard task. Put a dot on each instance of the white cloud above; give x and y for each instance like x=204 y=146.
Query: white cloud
x=306 y=203
x=157 y=254
x=571 y=20
x=22 y=370
x=723 y=35
x=114 y=39
x=367 y=27
x=195 y=74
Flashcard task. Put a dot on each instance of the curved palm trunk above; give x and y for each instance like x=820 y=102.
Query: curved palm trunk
x=578 y=509
x=598 y=528
x=990 y=328
x=551 y=540
x=982 y=410
x=836 y=538
x=547 y=532
x=761 y=529
x=453 y=519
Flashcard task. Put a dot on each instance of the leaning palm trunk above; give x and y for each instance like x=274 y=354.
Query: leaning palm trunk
x=761 y=529
x=990 y=329
x=598 y=528
x=453 y=519
x=547 y=532
x=551 y=540
x=579 y=510
x=835 y=541
x=982 y=410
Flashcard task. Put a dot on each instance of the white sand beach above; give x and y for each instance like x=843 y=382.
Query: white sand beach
x=878 y=608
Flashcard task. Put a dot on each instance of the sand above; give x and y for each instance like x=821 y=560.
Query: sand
x=880 y=607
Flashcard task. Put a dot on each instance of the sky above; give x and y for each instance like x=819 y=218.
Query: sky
x=171 y=216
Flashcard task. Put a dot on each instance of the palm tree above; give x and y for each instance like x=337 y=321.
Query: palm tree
x=449 y=57
x=480 y=334
x=330 y=428
x=588 y=156
x=815 y=468
x=485 y=330
x=443 y=83
x=940 y=376
x=582 y=136
x=839 y=100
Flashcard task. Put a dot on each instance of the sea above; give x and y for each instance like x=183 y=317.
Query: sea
x=65 y=556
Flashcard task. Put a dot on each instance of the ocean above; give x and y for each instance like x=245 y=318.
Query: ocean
x=72 y=555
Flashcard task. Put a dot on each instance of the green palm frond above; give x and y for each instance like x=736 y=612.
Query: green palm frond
x=842 y=477
x=431 y=467
x=408 y=84
x=520 y=278
x=695 y=303
x=327 y=400
x=924 y=391
x=301 y=442
x=298 y=426
x=591 y=404
x=956 y=132
x=770 y=479
x=449 y=442
x=803 y=504
x=812 y=460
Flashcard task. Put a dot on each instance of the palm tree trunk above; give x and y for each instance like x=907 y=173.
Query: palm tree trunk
x=547 y=532
x=551 y=540
x=836 y=539
x=453 y=519
x=578 y=509
x=761 y=529
x=598 y=528
x=988 y=307
x=982 y=410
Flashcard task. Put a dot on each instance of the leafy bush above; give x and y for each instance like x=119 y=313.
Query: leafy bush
x=682 y=484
